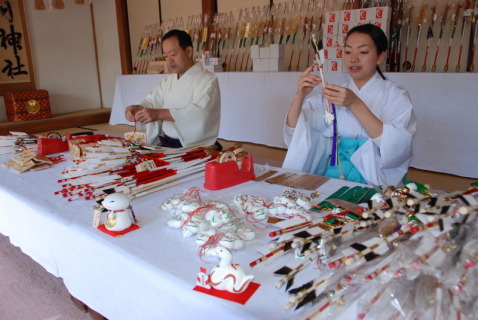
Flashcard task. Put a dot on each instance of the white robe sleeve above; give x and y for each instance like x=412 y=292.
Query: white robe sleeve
x=387 y=165
x=154 y=100
x=308 y=148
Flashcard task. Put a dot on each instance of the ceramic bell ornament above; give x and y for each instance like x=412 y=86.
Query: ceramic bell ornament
x=120 y=214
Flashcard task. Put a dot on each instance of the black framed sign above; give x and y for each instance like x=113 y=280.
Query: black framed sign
x=16 y=68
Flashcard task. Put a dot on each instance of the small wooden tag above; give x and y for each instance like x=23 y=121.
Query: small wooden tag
x=137 y=137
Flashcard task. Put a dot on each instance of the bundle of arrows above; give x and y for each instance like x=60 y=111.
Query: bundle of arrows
x=405 y=254
x=111 y=165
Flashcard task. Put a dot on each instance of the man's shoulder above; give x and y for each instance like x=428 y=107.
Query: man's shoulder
x=199 y=71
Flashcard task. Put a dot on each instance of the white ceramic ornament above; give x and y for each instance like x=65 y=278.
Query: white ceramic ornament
x=177 y=221
x=227 y=276
x=119 y=216
x=251 y=205
x=218 y=217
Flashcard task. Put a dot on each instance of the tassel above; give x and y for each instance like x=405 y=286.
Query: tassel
x=58 y=4
x=39 y=5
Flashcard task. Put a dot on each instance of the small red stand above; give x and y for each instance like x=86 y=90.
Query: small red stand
x=227 y=174
x=49 y=146
x=241 y=298
x=118 y=233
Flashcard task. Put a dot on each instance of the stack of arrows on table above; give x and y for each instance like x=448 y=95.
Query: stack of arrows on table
x=394 y=246
x=135 y=171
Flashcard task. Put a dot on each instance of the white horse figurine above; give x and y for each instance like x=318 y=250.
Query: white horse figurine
x=227 y=276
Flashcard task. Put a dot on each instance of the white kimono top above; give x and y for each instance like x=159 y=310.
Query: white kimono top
x=194 y=101
x=384 y=161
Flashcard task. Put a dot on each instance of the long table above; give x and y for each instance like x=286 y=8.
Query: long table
x=254 y=106
x=146 y=274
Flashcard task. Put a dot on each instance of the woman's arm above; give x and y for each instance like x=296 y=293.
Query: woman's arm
x=306 y=84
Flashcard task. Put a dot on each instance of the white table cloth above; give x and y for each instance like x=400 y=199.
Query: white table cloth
x=254 y=106
x=146 y=274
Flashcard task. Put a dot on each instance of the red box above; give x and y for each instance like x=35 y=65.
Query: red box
x=27 y=105
x=51 y=146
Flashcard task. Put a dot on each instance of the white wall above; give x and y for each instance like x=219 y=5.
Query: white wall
x=63 y=51
x=109 y=58
x=180 y=8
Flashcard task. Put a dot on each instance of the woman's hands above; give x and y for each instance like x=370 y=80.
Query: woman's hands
x=307 y=82
x=340 y=96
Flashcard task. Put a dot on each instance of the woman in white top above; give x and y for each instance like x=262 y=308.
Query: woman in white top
x=370 y=140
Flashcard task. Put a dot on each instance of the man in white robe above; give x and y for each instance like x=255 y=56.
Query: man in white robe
x=381 y=161
x=185 y=106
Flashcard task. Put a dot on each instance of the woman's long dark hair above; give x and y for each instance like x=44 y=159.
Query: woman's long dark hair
x=377 y=35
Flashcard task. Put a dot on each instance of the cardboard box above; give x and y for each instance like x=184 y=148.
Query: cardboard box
x=332 y=17
x=264 y=53
x=340 y=42
x=362 y=15
x=277 y=51
x=348 y=15
x=379 y=13
x=255 y=52
x=276 y=65
x=344 y=27
x=334 y=53
x=260 y=65
x=27 y=105
x=331 y=29
x=330 y=42
x=334 y=65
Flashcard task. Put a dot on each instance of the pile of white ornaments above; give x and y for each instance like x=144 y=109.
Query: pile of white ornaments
x=256 y=207
x=287 y=208
x=206 y=220
x=284 y=207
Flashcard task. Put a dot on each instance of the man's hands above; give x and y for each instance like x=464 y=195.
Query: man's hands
x=131 y=111
x=137 y=113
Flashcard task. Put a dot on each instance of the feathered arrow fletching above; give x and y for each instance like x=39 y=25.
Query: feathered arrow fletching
x=306 y=285
x=283 y=271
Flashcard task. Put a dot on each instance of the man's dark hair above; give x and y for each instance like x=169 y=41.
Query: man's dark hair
x=182 y=36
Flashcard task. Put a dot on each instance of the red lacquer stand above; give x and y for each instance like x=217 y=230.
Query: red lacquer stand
x=50 y=146
x=228 y=174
